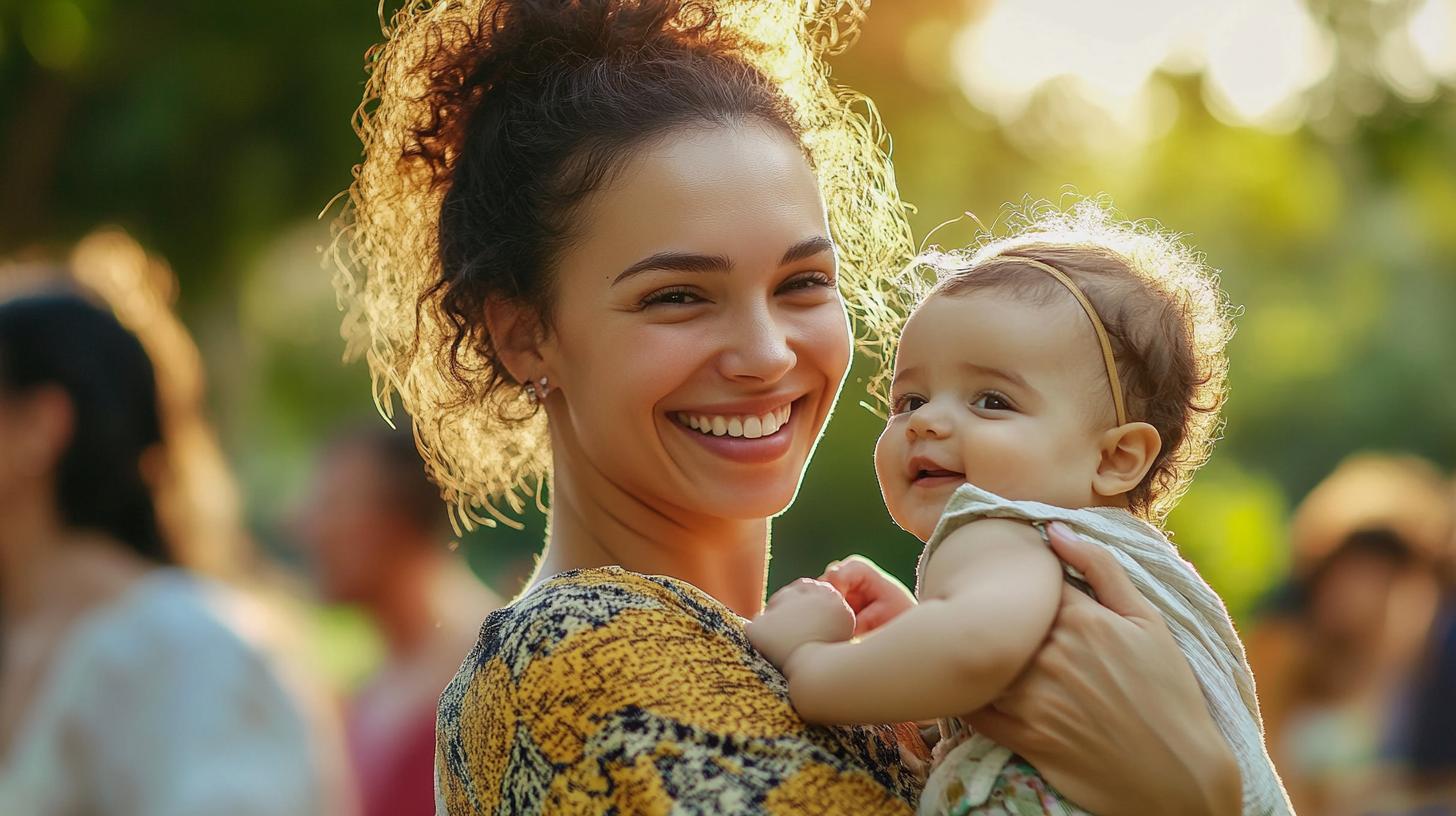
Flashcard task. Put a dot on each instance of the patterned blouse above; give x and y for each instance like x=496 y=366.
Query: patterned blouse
x=605 y=691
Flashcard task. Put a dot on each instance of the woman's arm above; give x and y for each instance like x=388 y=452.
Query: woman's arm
x=990 y=595
x=1109 y=711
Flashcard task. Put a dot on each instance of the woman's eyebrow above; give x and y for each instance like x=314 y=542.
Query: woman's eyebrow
x=697 y=262
x=807 y=248
x=676 y=262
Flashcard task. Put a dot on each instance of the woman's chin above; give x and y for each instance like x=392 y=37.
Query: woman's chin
x=748 y=503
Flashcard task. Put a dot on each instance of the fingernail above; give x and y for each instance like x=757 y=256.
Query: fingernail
x=1062 y=529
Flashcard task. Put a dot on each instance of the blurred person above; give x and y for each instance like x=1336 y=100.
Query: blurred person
x=374 y=527
x=125 y=687
x=1334 y=649
x=1427 y=743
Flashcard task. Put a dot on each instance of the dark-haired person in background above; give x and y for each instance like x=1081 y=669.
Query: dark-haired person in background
x=375 y=531
x=123 y=688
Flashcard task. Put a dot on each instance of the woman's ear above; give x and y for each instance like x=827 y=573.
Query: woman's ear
x=516 y=332
x=1128 y=452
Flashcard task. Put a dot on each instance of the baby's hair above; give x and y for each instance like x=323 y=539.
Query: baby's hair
x=1166 y=317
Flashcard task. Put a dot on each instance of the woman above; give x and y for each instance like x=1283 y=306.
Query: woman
x=122 y=689
x=615 y=243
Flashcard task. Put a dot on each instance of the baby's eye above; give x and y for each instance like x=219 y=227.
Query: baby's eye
x=992 y=401
x=906 y=403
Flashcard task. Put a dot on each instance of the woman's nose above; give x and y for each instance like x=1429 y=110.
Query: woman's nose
x=758 y=348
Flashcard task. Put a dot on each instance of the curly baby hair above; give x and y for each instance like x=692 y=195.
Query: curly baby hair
x=1165 y=315
x=487 y=123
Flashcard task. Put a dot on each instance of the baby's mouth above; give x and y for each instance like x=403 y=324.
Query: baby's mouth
x=927 y=473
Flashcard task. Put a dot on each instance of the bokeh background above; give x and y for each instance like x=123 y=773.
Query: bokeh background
x=1308 y=147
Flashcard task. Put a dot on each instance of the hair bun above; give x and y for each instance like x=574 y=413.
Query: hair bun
x=527 y=35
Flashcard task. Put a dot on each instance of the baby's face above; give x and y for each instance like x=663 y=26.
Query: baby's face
x=1007 y=395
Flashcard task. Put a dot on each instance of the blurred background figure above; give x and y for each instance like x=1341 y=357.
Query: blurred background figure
x=375 y=532
x=1338 y=649
x=1428 y=744
x=146 y=659
x=123 y=689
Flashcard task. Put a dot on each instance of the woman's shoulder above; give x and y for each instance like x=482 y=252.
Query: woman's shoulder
x=645 y=688
x=613 y=633
x=609 y=601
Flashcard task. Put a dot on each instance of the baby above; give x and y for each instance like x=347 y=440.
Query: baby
x=1071 y=374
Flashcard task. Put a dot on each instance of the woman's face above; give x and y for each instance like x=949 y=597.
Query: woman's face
x=698 y=340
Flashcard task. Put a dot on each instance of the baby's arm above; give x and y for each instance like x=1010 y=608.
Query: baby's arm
x=990 y=595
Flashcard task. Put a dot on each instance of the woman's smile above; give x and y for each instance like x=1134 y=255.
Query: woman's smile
x=749 y=433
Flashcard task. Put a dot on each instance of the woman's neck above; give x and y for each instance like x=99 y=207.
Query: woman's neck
x=596 y=523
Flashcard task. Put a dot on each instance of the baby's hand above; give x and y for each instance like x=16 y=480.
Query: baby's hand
x=806 y=611
x=873 y=595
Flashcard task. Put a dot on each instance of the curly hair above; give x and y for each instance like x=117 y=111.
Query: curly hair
x=1167 y=319
x=486 y=123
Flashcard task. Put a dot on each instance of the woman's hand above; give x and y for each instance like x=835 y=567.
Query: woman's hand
x=873 y=594
x=1109 y=711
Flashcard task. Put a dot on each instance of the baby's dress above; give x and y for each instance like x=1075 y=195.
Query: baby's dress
x=974 y=775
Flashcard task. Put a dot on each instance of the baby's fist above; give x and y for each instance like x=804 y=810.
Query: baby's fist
x=806 y=611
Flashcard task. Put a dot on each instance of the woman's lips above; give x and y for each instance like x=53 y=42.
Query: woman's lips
x=715 y=432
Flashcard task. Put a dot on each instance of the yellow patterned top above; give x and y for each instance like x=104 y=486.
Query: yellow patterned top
x=605 y=691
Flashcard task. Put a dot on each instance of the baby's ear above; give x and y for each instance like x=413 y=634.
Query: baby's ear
x=1128 y=452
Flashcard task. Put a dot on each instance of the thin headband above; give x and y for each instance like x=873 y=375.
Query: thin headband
x=1091 y=311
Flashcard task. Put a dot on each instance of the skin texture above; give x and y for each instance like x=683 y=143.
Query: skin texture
x=633 y=488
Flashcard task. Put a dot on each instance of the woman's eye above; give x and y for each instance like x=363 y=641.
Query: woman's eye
x=811 y=280
x=671 y=297
x=991 y=401
x=908 y=403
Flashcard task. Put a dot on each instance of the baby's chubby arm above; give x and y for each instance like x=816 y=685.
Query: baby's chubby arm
x=989 y=596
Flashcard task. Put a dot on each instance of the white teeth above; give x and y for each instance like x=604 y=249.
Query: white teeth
x=747 y=426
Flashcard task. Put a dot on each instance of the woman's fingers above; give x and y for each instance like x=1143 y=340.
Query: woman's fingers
x=1107 y=577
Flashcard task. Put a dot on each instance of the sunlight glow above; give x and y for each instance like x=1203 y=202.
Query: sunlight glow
x=1432 y=31
x=1258 y=58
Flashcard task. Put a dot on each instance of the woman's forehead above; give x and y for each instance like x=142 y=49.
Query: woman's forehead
x=740 y=191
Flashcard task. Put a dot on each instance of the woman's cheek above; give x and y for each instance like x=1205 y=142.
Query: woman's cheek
x=829 y=339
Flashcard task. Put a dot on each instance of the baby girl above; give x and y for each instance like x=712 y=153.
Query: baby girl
x=1070 y=374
